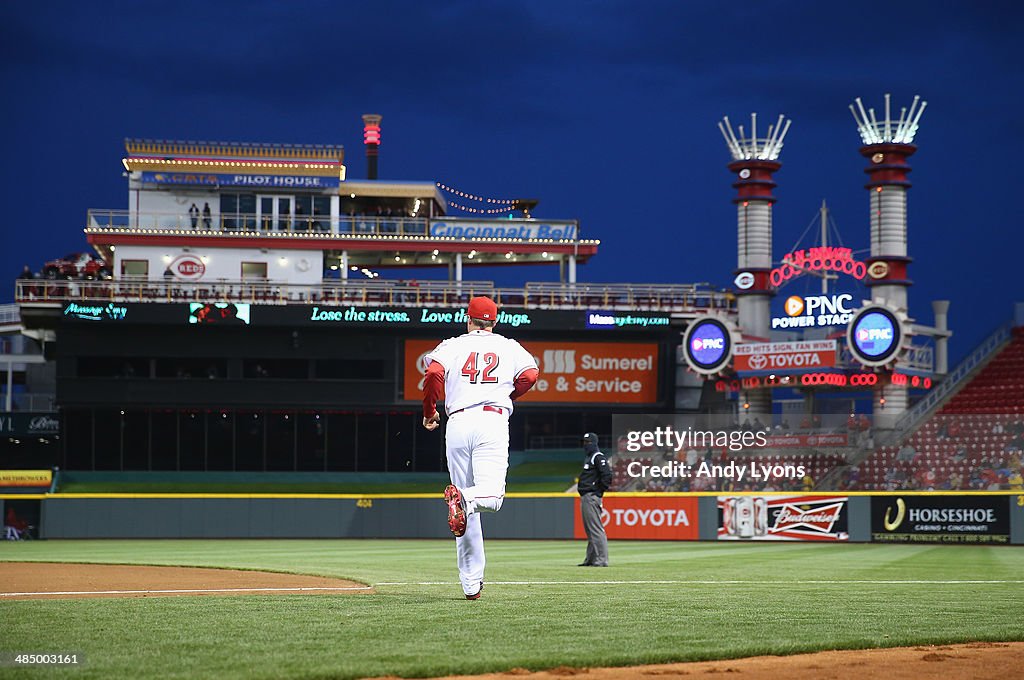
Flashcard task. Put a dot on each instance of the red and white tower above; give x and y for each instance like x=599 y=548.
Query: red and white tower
x=888 y=143
x=371 y=140
x=754 y=160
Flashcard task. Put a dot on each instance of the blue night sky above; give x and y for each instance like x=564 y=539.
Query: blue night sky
x=606 y=111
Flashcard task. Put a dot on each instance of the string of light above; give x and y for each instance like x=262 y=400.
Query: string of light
x=474 y=197
x=480 y=211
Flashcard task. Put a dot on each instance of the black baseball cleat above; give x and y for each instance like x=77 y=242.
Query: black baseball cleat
x=584 y=564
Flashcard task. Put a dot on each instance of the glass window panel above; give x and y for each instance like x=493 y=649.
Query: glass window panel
x=280 y=441
x=254 y=270
x=311 y=441
x=135 y=268
x=78 y=439
x=249 y=440
x=372 y=443
x=284 y=213
x=164 y=428
x=136 y=440
x=107 y=424
x=220 y=441
x=193 y=442
x=341 y=442
x=247 y=211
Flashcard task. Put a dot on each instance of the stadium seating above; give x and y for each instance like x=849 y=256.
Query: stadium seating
x=974 y=441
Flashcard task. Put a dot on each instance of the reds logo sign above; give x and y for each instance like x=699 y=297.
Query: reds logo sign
x=188 y=267
x=878 y=270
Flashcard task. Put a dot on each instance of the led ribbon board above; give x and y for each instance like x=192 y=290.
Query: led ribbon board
x=707 y=345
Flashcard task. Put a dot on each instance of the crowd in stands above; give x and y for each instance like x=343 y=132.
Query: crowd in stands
x=975 y=441
x=972 y=451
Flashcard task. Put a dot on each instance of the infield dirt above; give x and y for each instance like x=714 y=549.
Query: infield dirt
x=980 y=660
x=50 y=580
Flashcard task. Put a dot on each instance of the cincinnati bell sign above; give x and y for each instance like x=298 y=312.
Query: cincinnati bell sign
x=785 y=356
x=815 y=311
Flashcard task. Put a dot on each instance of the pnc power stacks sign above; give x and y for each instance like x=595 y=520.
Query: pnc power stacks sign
x=668 y=518
x=570 y=372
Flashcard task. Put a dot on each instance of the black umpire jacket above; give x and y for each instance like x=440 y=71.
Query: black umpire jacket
x=596 y=476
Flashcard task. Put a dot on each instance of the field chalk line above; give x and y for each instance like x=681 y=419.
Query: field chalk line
x=184 y=590
x=709 y=583
x=517 y=583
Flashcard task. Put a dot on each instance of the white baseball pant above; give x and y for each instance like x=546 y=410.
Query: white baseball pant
x=476 y=443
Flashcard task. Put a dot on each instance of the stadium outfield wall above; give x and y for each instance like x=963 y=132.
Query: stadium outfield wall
x=893 y=517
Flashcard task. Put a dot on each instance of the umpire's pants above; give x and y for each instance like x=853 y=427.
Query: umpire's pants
x=597 y=540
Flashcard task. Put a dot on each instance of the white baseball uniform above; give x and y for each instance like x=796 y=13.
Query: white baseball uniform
x=480 y=370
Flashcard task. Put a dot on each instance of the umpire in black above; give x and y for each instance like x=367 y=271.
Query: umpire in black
x=594 y=481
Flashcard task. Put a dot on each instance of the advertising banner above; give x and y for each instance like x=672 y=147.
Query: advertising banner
x=785 y=356
x=29 y=424
x=940 y=519
x=783 y=518
x=505 y=229
x=783 y=441
x=25 y=478
x=668 y=518
x=570 y=372
x=240 y=180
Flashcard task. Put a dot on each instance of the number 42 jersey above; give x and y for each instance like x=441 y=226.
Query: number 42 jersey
x=480 y=368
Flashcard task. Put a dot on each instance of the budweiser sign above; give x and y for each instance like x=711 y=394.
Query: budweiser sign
x=783 y=518
x=785 y=356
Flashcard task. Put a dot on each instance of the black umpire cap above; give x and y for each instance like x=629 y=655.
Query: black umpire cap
x=590 y=437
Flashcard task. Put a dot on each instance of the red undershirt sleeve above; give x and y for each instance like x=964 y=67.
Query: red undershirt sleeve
x=433 y=386
x=523 y=382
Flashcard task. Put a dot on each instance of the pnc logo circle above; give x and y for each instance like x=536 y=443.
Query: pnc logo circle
x=794 y=305
x=708 y=343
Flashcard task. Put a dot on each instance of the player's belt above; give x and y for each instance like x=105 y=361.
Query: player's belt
x=488 y=407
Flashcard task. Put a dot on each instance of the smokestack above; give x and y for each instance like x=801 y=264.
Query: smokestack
x=888 y=143
x=754 y=161
x=371 y=139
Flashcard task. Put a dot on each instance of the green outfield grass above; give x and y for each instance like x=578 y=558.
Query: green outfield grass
x=670 y=602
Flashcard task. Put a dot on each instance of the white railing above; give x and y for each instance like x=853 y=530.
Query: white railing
x=36 y=401
x=612 y=296
x=326 y=226
x=10 y=314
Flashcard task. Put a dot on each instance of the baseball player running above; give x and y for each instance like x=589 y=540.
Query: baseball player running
x=481 y=374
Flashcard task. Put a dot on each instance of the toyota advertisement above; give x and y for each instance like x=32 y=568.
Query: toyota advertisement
x=940 y=519
x=783 y=518
x=771 y=357
x=668 y=518
x=570 y=372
